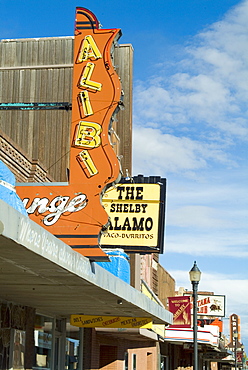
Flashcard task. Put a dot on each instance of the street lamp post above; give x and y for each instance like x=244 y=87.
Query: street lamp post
x=235 y=336
x=243 y=360
x=195 y=276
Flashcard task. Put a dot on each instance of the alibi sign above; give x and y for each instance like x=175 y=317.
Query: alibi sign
x=73 y=211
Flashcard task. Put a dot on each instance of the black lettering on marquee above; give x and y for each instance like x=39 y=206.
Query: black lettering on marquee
x=130 y=192
x=134 y=225
x=137 y=226
x=128 y=208
x=126 y=225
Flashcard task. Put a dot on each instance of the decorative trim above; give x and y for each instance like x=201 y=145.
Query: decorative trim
x=24 y=168
x=7 y=185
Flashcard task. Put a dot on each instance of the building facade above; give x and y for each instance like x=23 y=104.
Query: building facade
x=43 y=281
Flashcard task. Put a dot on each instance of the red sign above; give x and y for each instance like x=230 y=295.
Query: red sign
x=239 y=356
x=180 y=307
x=234 y=328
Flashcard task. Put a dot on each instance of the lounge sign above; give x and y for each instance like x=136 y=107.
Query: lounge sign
x=73 y=211
x=89 y=321
x=133 y=210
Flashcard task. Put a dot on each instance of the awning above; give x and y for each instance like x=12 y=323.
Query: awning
x=129 y=334
x=39 y=270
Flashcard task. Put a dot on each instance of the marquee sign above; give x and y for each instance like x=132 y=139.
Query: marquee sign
x=136 y=216
x=133 y=210
x=89 y=321
x=73 y=211
x=234 y=328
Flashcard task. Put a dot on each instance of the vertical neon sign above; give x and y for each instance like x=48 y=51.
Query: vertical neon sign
x=73 y=212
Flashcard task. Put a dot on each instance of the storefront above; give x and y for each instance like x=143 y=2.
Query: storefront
x=178 y=347
x=43 y=281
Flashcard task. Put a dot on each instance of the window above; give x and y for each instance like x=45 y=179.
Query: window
x=164 y=362
x=134 y=361
x=43 y=342
x=126 y=361
x=72 y=347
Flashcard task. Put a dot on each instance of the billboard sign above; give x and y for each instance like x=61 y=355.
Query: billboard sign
x=210 y=305
x=73 y=211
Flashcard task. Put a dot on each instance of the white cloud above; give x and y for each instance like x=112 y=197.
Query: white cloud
x=155 y=151
x=204 y=101
x=197 y=216
x=190 y=126
x=166 y=152
x=208 y=243
x=213 y=204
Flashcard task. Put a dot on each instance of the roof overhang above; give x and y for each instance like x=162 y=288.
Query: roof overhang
x=39 y=270
x=207 y=340
x=129 y=334
x=223 y=356
x=209 y=335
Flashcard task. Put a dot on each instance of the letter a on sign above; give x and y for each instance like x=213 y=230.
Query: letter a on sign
x=89 y=50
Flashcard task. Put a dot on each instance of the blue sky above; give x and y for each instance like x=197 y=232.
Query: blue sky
x=190 y=109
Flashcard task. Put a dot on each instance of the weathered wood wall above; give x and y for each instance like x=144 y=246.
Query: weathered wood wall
x=123 y=60
x=40 y=71
x=166 y=285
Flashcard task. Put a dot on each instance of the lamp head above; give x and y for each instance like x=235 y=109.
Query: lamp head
x=195 y=274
